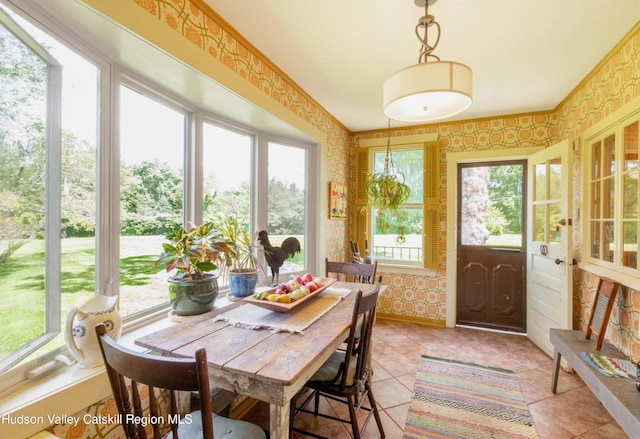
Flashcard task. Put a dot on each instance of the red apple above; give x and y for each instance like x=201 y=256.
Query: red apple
x=307 y=278
x=298 y=279
x=312 y=286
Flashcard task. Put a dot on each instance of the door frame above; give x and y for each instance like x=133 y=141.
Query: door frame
x=453 y=159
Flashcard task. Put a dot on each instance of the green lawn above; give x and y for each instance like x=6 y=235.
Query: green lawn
x=22 y=277
x=22 y=280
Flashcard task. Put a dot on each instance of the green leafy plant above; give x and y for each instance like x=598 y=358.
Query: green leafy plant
x=193 y=252
x=386 y=191
x=240 y=247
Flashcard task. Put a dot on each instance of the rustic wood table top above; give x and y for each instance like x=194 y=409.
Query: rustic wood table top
x=269 y=366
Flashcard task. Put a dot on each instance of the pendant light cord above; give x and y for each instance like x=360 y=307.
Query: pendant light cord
x=388 y=159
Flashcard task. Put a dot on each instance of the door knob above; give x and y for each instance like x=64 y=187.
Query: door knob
x=558 y=261
x=562 y=222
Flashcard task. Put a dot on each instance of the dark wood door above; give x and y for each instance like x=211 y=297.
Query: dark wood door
x=491 y=278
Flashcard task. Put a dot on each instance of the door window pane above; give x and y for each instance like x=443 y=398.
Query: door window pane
x=555 y=179
x=539 y=216
x=287 y=182
x=491 y=205
x=553 y=233
x=151 y=195
x=540 y=182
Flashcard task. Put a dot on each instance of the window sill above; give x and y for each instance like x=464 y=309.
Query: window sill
x=67 y=390
x=400 y=268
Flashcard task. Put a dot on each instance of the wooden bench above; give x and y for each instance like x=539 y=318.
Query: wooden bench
x=618 y=395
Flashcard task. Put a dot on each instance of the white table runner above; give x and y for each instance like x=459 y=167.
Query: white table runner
x=297 y=320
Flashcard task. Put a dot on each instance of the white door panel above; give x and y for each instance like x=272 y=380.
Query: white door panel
x=549 y=289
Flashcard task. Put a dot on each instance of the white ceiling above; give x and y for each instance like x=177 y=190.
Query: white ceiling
x=525 y=56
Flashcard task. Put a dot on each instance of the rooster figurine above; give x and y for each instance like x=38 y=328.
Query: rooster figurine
x=276 y=256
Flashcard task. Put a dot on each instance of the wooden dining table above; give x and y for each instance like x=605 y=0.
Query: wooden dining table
x=260 y=363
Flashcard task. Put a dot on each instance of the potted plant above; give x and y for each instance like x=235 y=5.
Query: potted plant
x=386 y=191
x=192 y=254
x=240 y=256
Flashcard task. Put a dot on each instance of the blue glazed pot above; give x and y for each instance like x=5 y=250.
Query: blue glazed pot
x=243 y=283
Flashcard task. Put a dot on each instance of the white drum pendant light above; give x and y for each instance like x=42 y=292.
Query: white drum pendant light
x=429 y=90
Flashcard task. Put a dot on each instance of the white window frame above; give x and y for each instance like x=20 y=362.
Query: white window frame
x=613 y=124
x=53 y=170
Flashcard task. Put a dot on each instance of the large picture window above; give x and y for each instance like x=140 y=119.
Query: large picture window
x=98 y=165
x=48 y=126
x=152 y=151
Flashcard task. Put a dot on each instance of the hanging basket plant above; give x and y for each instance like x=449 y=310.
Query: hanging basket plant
x=386 y=191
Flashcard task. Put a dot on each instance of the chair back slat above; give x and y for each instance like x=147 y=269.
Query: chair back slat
x=351 y=271
x=359 y=340
x=173 y=374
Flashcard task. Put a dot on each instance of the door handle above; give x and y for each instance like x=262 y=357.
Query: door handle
x=558 y=261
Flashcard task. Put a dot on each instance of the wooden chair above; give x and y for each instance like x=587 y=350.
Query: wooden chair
x=602 y=305
x=345 y=376
x=173 y=374
x=351 y=271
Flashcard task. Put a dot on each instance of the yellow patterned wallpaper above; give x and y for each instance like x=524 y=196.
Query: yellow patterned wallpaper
x=414 y=297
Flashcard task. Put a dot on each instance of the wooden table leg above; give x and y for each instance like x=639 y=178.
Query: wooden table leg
x=555 y=370
x=279 y=421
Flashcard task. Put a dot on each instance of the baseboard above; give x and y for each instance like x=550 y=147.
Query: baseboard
x=412 y=319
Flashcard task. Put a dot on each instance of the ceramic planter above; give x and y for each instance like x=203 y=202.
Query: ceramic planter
x=191 y=297
x=242 y=283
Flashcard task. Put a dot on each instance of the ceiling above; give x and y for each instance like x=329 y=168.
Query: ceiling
x=525 y=56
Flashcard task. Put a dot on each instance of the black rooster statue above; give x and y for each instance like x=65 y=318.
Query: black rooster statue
x=276 y=256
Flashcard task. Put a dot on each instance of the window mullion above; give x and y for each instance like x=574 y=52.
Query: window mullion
x=53 y=198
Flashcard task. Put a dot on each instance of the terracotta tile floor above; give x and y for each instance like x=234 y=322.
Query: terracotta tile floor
x=572 y=413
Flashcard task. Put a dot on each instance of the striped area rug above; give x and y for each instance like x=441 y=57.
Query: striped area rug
x=452 y=399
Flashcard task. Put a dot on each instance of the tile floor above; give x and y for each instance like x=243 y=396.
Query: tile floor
x=572 y=413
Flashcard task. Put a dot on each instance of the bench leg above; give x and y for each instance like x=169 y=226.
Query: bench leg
x=555 y=370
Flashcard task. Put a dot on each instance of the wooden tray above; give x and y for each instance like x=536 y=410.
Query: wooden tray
x=286 y=307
